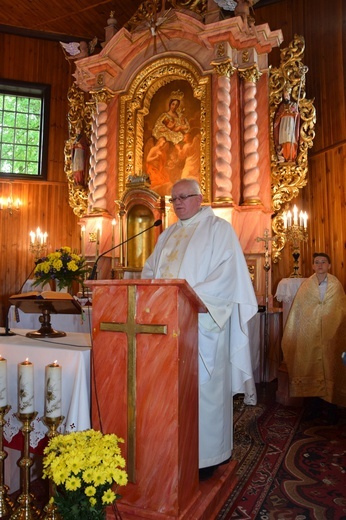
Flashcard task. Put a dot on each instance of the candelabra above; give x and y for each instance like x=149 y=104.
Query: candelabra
x=50 y=510
x=38 y=242
x=26 y=510
x=6 y=505
x=295 y=233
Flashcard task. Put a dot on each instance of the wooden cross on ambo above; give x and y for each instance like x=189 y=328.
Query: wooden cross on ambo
x=131 y=329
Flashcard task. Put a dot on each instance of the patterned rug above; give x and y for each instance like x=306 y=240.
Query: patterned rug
x=289 y=467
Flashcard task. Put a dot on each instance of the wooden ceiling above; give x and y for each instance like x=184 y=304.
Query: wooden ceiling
x=64 y=19
x=71 y=20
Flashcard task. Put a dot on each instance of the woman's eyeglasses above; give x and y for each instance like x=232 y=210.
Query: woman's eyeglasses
x=182 y=197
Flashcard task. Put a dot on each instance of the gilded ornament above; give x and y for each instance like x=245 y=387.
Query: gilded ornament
x=224 y=69
x=289 y=169
x=251 y=74
x=135 y=105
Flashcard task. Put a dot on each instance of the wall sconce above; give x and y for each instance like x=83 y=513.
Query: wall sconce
x=295 y=228
x=9 y=203
x=38 y=242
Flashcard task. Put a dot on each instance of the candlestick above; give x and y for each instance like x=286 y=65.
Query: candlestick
x=3 y=382
x=26 y=387
x=6 y=504
x=53 y=390
x=26 y=509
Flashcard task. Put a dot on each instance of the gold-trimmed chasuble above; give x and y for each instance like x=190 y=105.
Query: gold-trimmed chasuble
x=131 y=329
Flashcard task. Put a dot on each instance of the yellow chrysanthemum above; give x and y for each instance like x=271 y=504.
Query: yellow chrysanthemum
x=90 y=491
x=108 y=497
x=73 y=483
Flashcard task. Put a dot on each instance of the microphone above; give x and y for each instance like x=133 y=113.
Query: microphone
x=93 y=272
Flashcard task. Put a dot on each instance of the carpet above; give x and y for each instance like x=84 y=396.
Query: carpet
x=289 y=467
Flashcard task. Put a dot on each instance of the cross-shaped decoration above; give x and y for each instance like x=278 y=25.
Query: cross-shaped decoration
x=266 y=239
x=131 y=329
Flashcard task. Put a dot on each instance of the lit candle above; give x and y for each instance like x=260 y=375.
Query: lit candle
x=284 y=216
x=32 y=237
x=3 y=382
x=295 y=216
x=83 y=241
x=289 y=219
x=113 y=238
x=301 y=218
x=25 y=387
x=305 y=217
x=53 y=390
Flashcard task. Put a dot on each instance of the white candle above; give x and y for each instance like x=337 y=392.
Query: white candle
x=53 y=390
x=289 y=219
x=83 y=241
x=301 y=218
x=113 y=238
x=284 y=216
x=25 y=387
x=3 y=382
x=295 y=215
x=305 y=216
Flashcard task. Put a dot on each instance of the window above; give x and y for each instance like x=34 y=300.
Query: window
x=24 y=113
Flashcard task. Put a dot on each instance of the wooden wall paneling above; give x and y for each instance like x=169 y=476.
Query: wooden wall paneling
x=323 y=28
x=45 y=202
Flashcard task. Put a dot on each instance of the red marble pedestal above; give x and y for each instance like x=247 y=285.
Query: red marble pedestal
x=145 y=390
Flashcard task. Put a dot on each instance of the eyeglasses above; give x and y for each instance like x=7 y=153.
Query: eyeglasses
x=182 y=197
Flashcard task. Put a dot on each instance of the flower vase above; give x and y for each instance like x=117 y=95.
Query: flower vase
x=62 y=289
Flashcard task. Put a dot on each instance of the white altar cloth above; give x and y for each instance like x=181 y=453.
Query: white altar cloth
x=73 y=354
x=285 y=292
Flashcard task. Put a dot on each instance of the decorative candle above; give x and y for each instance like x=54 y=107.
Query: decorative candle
x=25 y=387
x=53 y=390
x=3 y=382
x=289 y=219
x=305 y=218
x=295 y=215
x=284 y=216
x=113 y=238
x=301 y=219
x=83 y=241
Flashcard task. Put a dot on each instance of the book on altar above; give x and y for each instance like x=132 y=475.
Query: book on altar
x=45 y=295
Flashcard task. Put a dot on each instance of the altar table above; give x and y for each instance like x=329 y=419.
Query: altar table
x=73 y=354
x=285 y=292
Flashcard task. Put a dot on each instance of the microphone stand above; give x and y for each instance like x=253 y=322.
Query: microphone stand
x=94 y=269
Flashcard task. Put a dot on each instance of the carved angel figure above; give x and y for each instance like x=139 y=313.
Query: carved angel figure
x=78 y=50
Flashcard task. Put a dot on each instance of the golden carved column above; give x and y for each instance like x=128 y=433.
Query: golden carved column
x=98 y=161
x=223 y=141
x=251 y=186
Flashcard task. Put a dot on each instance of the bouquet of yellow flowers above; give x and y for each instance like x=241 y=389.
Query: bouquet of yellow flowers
x=63 y=266
x=84 y=466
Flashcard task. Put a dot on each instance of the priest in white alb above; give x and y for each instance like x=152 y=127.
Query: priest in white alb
x=204 y=250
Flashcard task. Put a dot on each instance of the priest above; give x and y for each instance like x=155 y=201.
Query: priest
x=204 y=250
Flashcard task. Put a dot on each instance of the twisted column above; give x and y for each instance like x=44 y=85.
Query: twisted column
x=251 y=185
x=223 y=154
x=98 y=153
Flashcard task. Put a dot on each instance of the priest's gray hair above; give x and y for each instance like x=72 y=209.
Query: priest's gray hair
x=195 y=184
